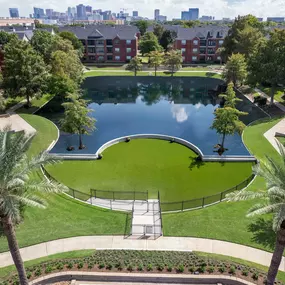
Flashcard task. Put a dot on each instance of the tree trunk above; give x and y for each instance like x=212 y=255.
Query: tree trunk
x=277 y=255
x=272 y=90
x=80 y=142
x=155 y=68
x=223 y=140
x=9 y=232
x=135 y=72
x=28 y=100
x=172 y=71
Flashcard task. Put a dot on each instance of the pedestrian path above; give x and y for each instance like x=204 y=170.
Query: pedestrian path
x=270 y=134
x=163 y=243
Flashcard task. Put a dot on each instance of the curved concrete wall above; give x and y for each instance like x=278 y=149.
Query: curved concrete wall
x=150 y=136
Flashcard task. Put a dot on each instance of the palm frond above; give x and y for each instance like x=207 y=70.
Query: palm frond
x=278 y=218
x=245 y=195
x=261 y=209
x=30 y=200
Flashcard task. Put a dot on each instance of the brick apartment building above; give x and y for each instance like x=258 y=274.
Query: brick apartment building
x=199 y=44
x=101 y=43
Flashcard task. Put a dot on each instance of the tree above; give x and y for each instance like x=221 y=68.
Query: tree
x=236 y=69
x=76 y=43
x=167 y=39
x=42 y=42
x=76 y=118
x=266 y=65
x=244 y=34
x=221 y=53
x=158 y=31
x=173 y=60
x=227 y=122
x=230 y=97
x=155 y=60
x=24 y=72
x=20 y=188
x=5 y=38
x=270 y=201
x=135 y=65
x=148 y=43
x=142 y=26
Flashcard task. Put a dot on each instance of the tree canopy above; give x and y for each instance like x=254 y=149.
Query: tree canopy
x=148 y=43
x=135 y=65
x=76 y=43
x=142 y=26
x=173 y=60
x=167 y=39
x=230 y=96
x=156 y=58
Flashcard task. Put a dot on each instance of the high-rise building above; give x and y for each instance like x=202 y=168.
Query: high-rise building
x=107 y=15
x=88 y=9
x=14 y=12
x=135 y=13
x=39 y=13
x=156 y=14
x=194 y=14
x=81 y=12
x=185 y=15
x=49 y=12
x=73 y=11
x=276 y=19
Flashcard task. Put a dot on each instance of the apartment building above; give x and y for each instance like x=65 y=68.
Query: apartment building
x=106 y=43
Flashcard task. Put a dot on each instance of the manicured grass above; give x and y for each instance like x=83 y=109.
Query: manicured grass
x=147 y=73
x=278 y=93
x=281 y=140
x=64 y=217
x=227 y=221
x=8 y=270
x=36 y=103
x=153 y=165
x=98 y=68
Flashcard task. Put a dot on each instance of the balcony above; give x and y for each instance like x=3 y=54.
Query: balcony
x=211 y=44
x=203 y=43
x=202 y=51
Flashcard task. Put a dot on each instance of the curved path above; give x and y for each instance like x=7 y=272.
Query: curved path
x=163 y=243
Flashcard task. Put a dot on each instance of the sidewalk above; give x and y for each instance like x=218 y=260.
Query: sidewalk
x=163 y=243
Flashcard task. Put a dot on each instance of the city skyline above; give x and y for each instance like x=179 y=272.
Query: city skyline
x=169 y=8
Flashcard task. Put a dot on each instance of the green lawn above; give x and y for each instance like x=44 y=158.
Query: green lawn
x=279 y=92
x=98 y=68
x=227 y=221
x=64 y=217
x=153 y=165
x=147 y=73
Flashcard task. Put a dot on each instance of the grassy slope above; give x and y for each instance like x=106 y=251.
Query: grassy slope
x=64 y=217
x=146 y=73
x=227 y=221
x=152 y=165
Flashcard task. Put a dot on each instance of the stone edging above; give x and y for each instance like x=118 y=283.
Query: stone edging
x=139 y=277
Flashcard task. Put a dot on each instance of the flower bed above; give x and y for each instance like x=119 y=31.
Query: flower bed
x=145 y=261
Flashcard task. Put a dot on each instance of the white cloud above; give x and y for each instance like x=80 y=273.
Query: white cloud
x=170 y=8
x=179 y=113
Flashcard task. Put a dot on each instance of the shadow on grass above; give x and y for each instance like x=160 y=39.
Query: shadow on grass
x=195 y=162
x=210 y=74
x=262 y=232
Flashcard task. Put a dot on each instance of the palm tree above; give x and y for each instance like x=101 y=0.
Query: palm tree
x=19 y=187
x=272 y=200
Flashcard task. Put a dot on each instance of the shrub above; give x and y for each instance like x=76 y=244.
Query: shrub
x=180 y=268
x=130 y=267
x=80 y=265
x=90 y=265
x=69 y=264
x=60 y=266
x=140 y=267
x=29 y=274
x=202 y=269
x=256 y=97
x=222 y=269
x=101 y=265
x=149 y=267
x=48 y=269
x=191 y=269
x=119 y=265
x=38 y=271
x=169 y=268
x=245 y=272
x=262 y=101
x=211 y=269
x=109 y=266
x=255 y=276
x=160 y=267
x=232 y=270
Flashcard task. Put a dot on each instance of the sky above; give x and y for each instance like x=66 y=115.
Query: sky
x=169 y=8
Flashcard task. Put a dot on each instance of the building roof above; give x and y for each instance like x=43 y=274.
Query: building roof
x=209 y=31
x=102 y=31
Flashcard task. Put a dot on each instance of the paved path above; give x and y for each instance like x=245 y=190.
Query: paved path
x=152 y=71
x=270 y=134
x=16 y=123
x=163 y=243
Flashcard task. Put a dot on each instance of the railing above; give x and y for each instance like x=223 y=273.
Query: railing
x=119 y=195
x=202 y=202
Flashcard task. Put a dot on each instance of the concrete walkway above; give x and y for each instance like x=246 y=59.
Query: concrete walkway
x=163 y=243
x=152 y=71
x=270 y=134
x=16 y=123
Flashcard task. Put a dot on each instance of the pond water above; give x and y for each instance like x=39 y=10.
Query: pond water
x=180 y=107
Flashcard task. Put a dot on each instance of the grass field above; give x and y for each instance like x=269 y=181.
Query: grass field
x=64 y=217
x=150 y=73
x=278 y=93
x=146 y=164
x=227 y=221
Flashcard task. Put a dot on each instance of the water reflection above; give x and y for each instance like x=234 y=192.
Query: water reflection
x=180 y=107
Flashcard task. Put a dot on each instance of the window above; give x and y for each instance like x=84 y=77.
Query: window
x=109 y=42
x=195 y=50
x=183 y=58
x=101 y=58
x=109 y=57
x=92 y=57
x=218 y=58
x=91 y=50
x=203 y=43
x=183 y=42
x=99 y=42
x=129 y=50
x=221 y=42
x=116 y=41
x=183 y=50
x=128 y=57
x=109 y=50
x=195 y=42
x=91 y=42
x=194 y=58
x=211 y=43
x=117 y=57
x=117 y=49
x=128 y=42
x=83 y=42
x=100 y=50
